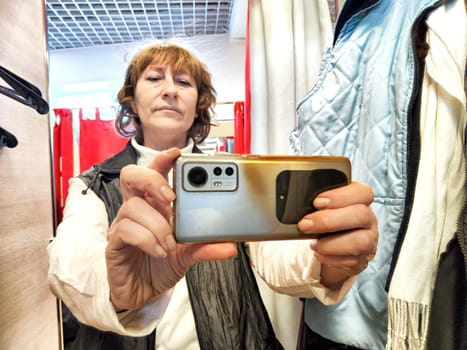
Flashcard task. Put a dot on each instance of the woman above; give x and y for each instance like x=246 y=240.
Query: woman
x=115 y=263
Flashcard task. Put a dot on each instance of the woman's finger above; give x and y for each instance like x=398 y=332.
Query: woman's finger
x=140 y=225
x=351 y=194
x=144 y=182
x=348 y=263
x=337 y=220
x=164 y=161
x=208 y=251
x=357 y=244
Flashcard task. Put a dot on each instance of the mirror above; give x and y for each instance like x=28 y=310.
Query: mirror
x=90 y=44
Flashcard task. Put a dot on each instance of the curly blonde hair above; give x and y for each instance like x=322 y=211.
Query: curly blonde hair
x=179 y=59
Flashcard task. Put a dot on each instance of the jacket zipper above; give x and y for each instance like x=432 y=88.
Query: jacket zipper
x=461 y=231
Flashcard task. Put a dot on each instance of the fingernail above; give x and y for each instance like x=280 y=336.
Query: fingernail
x=321 y=202
x=172 y=149
x=305 y=225
x=313 y=244
x=171 y=244
x=167 y=193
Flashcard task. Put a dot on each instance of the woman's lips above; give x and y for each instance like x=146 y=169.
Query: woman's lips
x=169 y=108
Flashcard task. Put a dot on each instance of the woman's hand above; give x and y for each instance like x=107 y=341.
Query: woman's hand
x=345 y=213
x=143 y=259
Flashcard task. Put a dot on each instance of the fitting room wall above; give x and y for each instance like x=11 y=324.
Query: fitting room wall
x=28 y=317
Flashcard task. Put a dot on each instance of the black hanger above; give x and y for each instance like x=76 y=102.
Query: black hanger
x=7 y=139
x=23 y=91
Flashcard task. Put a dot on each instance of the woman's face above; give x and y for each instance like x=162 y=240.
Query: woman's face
x=165 y=102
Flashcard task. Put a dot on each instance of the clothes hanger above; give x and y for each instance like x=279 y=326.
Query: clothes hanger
x=7 y=139
x=23 y=91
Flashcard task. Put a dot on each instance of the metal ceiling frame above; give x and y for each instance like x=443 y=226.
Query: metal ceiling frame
x=84 y=23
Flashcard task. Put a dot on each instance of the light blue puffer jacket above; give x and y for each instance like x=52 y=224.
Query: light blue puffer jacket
x=364 y=106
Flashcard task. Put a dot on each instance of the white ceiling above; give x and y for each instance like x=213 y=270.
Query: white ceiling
x=85 y=23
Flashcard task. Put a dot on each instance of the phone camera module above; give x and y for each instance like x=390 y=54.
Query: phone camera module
x=229 y=171
x=197 y=176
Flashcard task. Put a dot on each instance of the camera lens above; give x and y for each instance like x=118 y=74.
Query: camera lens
x=217 y=171
x=197 y=176
x=229 y=170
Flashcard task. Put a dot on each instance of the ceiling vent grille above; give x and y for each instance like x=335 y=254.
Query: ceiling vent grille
x=84 y=23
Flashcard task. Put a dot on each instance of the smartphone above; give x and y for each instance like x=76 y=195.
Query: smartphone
x=225 y=197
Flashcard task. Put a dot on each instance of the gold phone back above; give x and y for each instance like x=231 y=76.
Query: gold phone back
x=271 y=194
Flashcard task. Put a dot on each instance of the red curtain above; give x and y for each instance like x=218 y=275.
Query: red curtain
x=63 y=157
x=98 y=140
x=247 y=116
x=239 y=124
x=242 y=125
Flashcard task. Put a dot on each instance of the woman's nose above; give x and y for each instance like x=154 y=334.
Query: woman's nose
x=170 y=87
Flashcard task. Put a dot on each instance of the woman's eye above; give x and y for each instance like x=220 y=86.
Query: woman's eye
x=154 y=78
x=185 y=82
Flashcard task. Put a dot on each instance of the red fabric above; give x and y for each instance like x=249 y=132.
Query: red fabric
x=98 y=140
x=63 y=157
x=336 y=10
x=239 y=121
x=247 y=109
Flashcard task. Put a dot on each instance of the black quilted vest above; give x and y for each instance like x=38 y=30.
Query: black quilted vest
x=227 y=306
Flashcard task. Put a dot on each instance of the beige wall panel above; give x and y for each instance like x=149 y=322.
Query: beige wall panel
x=223 y=128
x=28 y=317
